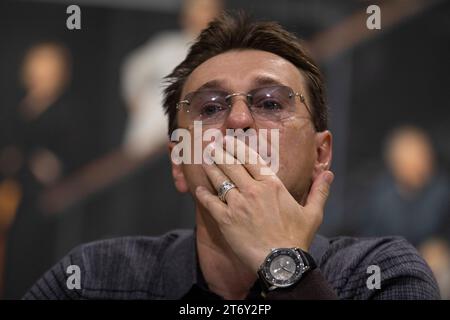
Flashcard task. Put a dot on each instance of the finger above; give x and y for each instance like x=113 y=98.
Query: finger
x=232 y=168
x=211 y=202
x=250 y=159
x=217 y=178
x=319 y=192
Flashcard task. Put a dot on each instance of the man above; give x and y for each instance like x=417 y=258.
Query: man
x=255 y=236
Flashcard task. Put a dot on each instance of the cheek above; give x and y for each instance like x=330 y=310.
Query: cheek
x=297 y=155
x=297 y=146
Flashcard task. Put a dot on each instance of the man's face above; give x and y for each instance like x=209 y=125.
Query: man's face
x=45 y=70
x=302 y=151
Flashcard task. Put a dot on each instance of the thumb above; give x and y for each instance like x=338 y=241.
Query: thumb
x=320 y=190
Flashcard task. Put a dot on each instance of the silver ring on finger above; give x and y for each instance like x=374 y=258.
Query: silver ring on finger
x=224 y=188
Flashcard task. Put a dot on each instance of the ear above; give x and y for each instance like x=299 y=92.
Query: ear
x=324 y=152
x=177 y=172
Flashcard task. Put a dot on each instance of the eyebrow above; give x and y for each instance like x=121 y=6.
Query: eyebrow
x=265 y=80
x=213 y=84
x=256 y=82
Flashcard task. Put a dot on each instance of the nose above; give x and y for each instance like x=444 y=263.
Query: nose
x=240 y=116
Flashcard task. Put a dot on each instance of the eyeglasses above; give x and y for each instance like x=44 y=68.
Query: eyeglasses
x=212 y=107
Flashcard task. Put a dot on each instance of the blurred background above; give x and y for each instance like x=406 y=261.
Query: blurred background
x=82 y=133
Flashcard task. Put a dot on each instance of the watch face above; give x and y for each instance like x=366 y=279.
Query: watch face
x=283 y=267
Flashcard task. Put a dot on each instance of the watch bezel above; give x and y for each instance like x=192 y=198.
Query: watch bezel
x=299 y=267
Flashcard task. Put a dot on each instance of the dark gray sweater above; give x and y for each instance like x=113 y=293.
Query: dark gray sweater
x=166 y=268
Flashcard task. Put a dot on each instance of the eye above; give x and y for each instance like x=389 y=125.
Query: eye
x=211 y=109
x=269 y=105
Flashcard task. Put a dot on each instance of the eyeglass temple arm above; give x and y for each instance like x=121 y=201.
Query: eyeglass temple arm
x=179 y=103
x=303 y=100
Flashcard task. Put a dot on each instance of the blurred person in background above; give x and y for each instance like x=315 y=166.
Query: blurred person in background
x=136 y=161
x=412 y=200
x=41 y=143
x=143 y=72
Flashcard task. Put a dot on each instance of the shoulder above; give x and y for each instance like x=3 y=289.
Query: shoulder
x=155 y=45
x=351 y=265
x=133 y=249
x=119 y=268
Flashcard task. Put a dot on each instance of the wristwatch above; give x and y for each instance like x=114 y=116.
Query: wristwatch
x=284 y=267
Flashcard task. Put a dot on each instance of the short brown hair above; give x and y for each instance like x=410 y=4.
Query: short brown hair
x=233 y=31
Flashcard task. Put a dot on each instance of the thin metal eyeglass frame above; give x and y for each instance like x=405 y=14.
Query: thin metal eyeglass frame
x=248 y=97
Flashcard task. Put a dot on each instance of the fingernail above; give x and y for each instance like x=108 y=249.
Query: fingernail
x=208 y=152
x=329 y=177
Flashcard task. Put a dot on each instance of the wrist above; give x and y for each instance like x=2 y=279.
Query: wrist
x=284 y=268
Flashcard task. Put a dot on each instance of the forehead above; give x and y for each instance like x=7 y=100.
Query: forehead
x=243 y=70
